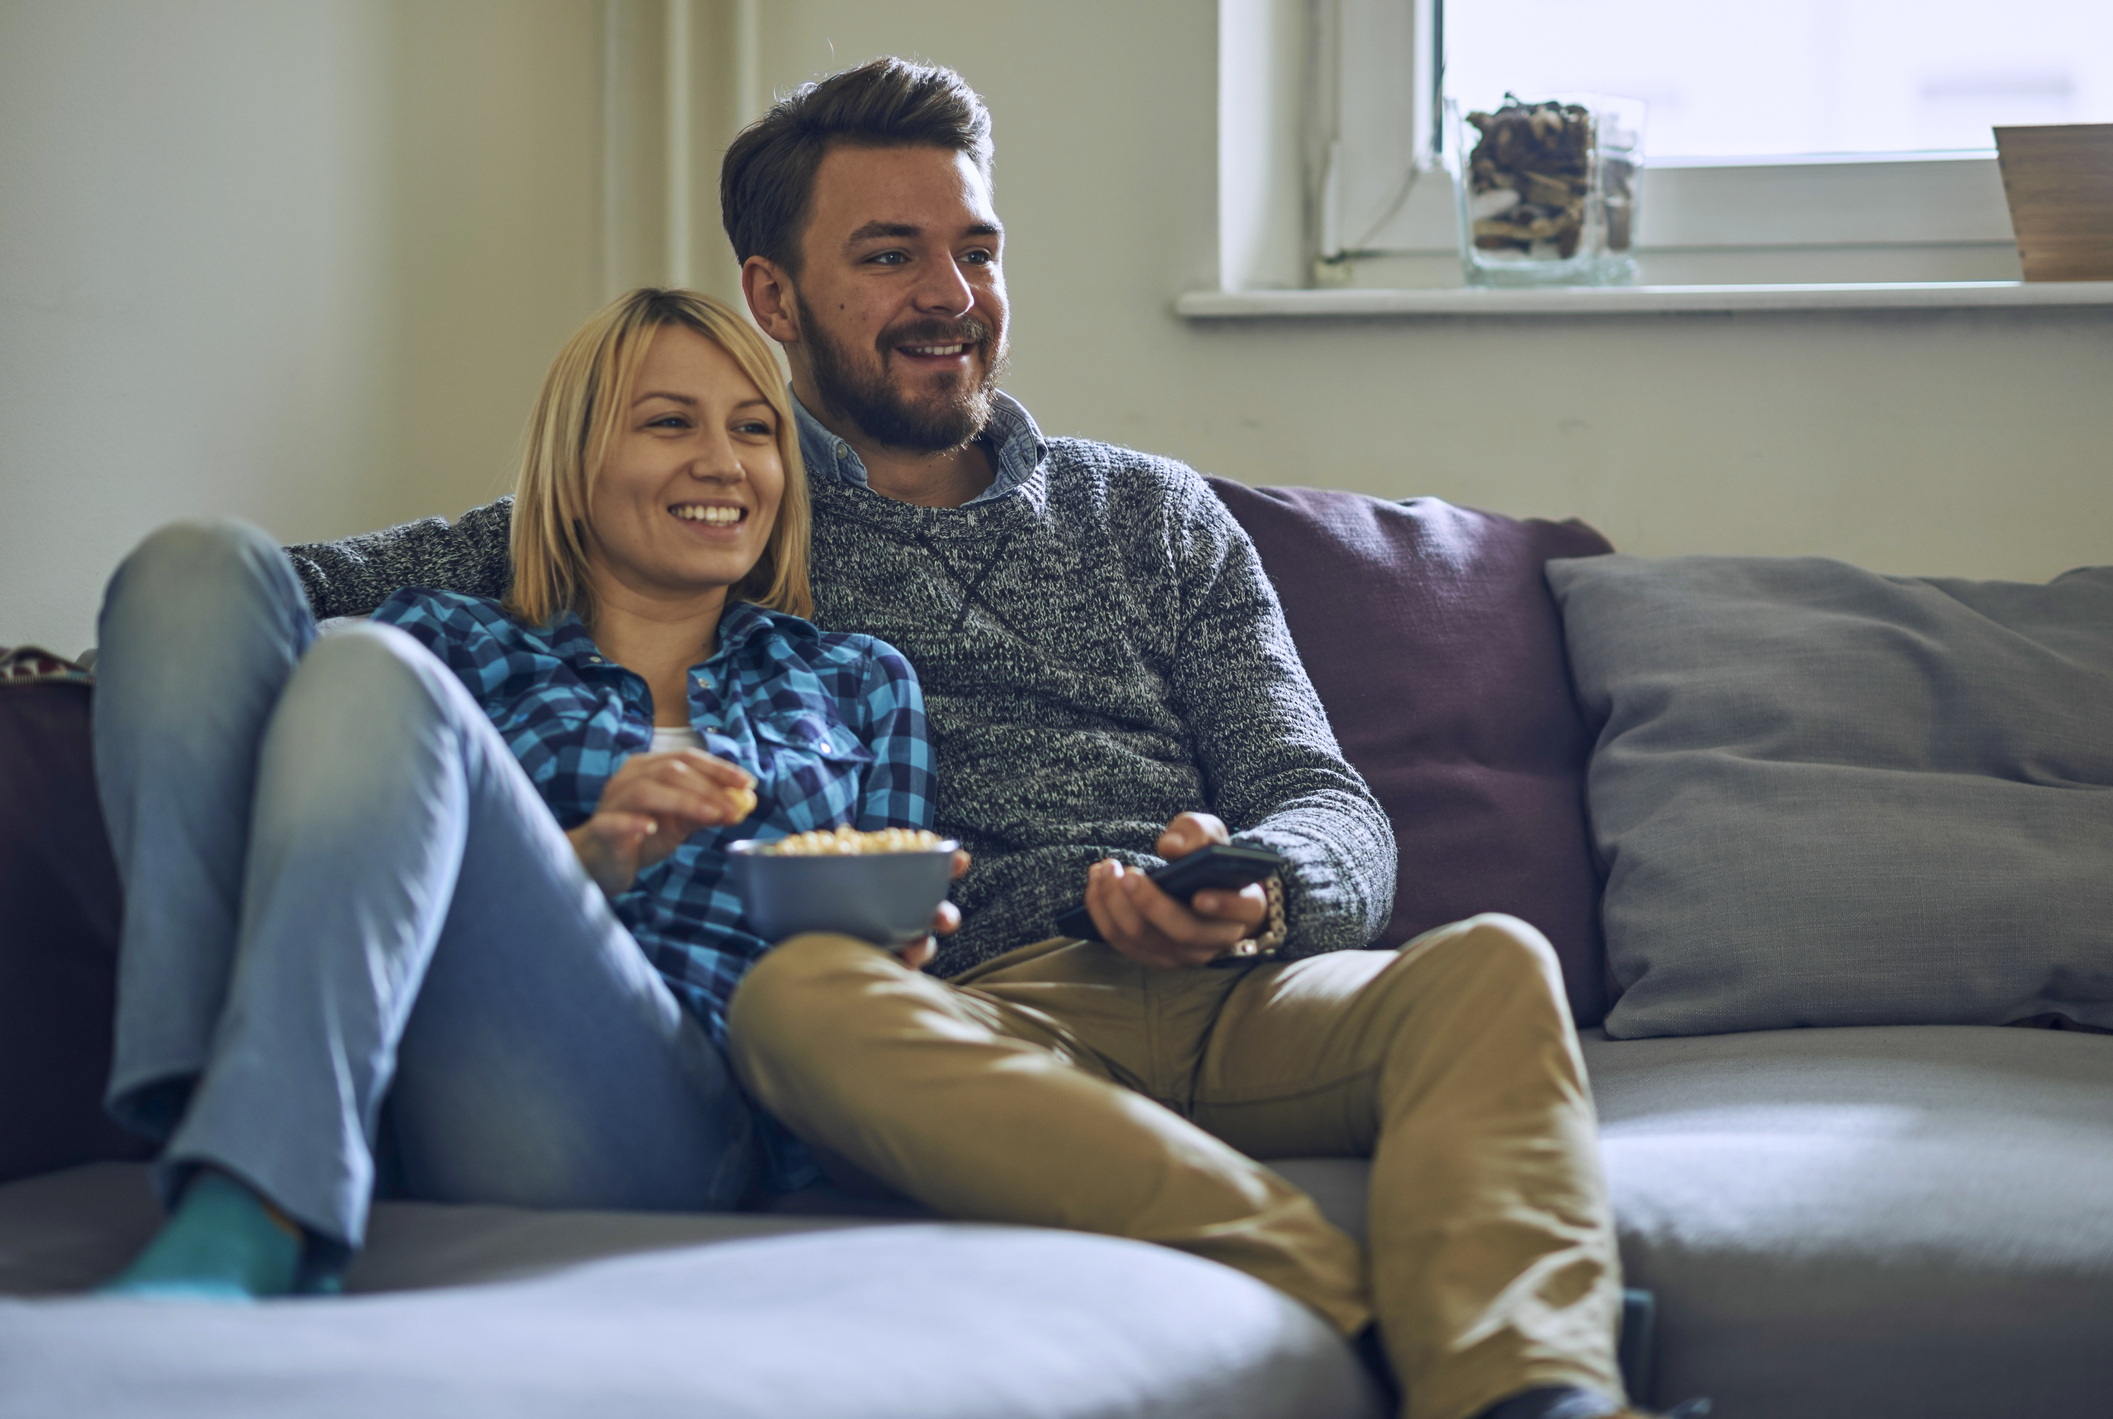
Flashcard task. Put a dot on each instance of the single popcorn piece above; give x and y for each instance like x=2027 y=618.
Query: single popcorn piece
x=744 y=801
x=847 y=841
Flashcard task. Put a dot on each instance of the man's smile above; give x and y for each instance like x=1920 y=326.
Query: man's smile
x=935 y=345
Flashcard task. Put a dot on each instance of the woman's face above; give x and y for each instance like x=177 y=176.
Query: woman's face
x=691 y=487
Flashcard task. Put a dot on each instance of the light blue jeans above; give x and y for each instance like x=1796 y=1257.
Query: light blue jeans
x=341 y=887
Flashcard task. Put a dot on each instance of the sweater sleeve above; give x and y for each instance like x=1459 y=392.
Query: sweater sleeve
x=1277 y=776
x=352 y=576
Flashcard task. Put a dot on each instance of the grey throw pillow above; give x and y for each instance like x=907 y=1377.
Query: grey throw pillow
x=1828 y=797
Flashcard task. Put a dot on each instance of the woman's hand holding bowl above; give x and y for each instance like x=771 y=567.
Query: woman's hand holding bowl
x=650 y=805
x=945 y=922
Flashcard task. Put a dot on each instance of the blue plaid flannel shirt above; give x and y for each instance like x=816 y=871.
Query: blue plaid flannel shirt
x=831 y=724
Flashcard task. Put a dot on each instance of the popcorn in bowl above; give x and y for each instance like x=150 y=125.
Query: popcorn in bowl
x=877 y=886
x=847 y=841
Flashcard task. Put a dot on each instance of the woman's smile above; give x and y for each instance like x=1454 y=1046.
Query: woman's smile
x=711 y=515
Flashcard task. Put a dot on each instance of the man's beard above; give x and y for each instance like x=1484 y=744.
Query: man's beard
x=853 y=390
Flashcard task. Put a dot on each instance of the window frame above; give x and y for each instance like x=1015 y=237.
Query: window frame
x=1863 y=218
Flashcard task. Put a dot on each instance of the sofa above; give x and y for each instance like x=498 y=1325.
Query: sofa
x=1828 y=861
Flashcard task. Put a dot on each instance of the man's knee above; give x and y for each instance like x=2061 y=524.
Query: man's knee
x=1509 y=954
x=1516 y=943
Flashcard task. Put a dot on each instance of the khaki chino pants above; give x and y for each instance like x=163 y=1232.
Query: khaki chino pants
x=1063 y=1085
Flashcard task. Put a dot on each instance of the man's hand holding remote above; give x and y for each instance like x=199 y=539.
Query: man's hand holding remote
x=1154 y=929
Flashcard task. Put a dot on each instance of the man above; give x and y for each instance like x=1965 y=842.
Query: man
x=1110 y=684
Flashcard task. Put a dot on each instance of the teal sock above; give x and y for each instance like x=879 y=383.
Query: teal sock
x=221 y=1244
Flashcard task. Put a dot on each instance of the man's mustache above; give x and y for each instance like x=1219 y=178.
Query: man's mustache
x=966 y=331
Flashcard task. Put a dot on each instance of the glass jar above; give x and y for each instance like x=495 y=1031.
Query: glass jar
x=1547 y=190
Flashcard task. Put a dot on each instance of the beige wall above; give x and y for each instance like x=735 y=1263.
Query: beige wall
x=303 y=261
x=495 y=173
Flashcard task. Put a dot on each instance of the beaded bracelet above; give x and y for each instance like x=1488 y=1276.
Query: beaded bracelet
x=1271 y=941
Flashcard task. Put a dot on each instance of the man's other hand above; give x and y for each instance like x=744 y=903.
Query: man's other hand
x=1152 y=928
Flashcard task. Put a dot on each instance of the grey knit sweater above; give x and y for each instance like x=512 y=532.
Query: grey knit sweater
x=1100 y=651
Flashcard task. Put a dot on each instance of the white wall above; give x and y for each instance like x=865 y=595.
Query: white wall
x=192 y=211
x=297 y=261
x=303 y=261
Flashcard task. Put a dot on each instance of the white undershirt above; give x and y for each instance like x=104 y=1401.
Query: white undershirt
x=667 y=740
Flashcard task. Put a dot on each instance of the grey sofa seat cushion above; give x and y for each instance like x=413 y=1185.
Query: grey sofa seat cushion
x=1874 y=1222
x=1910 y=1222
x=730 y=1317
x=66 y=1231
x=1871 y=1223
x=1829 y=797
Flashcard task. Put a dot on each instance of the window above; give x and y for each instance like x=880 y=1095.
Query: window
x=1798 y=77
x=1809 y=141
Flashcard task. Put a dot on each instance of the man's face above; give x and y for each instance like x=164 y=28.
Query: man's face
x=901 y=298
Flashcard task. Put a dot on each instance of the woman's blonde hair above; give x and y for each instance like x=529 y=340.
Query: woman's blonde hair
x=576 y=420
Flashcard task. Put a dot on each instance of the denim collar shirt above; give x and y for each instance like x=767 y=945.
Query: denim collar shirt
x=1011 y=439
x=831 y=725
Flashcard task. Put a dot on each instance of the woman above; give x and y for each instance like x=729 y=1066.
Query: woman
x=470 y=857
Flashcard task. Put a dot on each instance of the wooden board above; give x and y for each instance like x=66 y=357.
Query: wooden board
x=2058 y=180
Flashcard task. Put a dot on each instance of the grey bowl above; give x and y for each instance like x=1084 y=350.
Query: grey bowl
x=884 y=897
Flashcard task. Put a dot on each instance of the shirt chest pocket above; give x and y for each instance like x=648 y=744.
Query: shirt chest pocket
x=803 y=732
x=812 y=767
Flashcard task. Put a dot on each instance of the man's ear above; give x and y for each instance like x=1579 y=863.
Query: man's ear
x=768 y=289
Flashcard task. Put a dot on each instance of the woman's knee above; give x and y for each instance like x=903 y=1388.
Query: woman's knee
x=368 y=673
x=367 y=722
x=201 y=620
x=197 y=573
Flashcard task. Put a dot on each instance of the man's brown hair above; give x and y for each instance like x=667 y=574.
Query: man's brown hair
x=766 y=184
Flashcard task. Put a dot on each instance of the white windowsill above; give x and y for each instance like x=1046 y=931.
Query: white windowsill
x=1624 y=300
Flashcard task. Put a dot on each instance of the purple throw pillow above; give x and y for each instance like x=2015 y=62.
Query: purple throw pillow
x=59 y=904
x=1436 y=649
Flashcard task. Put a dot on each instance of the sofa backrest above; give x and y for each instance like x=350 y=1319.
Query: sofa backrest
x=1428 y=632
x=1436 y=648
